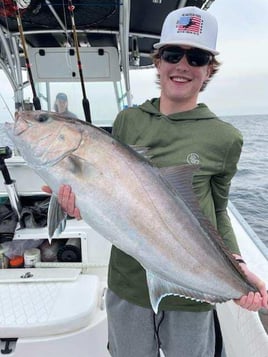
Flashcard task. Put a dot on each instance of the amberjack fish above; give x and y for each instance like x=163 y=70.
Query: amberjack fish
x=151 y=214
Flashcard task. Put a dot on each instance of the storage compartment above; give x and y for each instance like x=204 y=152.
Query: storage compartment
x=78 y=245
x=99 y=64
x=60 y=300
x=47 y=304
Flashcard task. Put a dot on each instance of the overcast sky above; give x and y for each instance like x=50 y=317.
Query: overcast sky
x=241 y=85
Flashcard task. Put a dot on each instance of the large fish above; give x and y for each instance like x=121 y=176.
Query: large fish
x=152 y=214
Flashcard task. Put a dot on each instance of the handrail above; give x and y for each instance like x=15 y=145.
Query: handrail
x=124 y=20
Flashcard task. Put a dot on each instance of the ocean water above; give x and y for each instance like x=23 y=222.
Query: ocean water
x=249 y=190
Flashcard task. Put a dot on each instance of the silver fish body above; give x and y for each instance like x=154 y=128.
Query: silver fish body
x=151 y=214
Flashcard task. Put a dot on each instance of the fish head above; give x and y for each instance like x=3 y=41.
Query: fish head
x=44 y=138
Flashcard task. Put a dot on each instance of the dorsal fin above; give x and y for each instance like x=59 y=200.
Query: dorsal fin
x=180 y=178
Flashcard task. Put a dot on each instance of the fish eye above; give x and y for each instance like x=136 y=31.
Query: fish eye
x=42 y=118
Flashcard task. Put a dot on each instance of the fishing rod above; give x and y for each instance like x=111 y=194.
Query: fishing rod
x=36 y=100
x=85 y=101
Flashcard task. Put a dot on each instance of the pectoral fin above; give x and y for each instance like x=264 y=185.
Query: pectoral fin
x=56 y=217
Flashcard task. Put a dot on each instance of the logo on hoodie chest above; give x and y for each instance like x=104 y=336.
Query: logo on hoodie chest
x=193 y=158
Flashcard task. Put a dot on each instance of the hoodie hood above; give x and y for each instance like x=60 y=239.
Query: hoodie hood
x=198 y=113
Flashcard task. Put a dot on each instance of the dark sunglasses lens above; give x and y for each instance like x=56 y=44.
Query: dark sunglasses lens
x=195 y=57
x=198 y=58
x=172 y=56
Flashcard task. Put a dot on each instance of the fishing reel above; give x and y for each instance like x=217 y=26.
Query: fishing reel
x=5 y=153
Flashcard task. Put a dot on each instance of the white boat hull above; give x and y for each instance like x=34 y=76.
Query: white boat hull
x=242 y=330
x=87 y=342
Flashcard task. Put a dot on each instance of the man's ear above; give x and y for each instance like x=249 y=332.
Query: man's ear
x=157 y=64
x=209 y=70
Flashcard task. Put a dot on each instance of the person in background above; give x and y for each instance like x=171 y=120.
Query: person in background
x=61 y=106
x=177 y=130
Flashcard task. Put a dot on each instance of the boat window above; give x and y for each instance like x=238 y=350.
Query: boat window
x=105 y=98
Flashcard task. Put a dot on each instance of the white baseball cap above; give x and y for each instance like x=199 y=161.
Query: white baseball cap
x=190 y=26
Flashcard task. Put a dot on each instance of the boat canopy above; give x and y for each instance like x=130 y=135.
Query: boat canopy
x=112 y=36
x=46 y=23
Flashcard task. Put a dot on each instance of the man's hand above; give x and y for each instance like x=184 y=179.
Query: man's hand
x=66 y=199
x=253 y=301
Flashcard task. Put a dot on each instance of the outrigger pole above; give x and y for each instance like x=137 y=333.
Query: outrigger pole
x=85 y=101
x=36 y=101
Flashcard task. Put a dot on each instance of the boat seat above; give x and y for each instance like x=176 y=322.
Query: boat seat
x=42 y=306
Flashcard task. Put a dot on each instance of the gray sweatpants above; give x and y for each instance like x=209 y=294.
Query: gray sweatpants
x=134 y=331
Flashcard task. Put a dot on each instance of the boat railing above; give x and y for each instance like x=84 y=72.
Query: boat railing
x=247 y=228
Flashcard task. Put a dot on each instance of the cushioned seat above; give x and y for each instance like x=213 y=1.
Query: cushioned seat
x=46 y=307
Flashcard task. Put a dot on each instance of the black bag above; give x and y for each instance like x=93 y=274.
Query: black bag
x=8 y=223
x=34 y=214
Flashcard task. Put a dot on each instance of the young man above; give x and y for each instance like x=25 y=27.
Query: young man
x=177 y=131
x=61 y=106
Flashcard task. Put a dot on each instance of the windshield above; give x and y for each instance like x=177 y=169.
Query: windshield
x=105 y=100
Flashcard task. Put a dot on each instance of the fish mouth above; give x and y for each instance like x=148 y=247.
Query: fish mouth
x=9 y=129
x=18 y=127
x=9 y=126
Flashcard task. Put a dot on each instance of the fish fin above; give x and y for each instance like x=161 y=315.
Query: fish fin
x=160 y=288
x=78 y=166
x=179 y=179
x=56 y=217
x=141 y=150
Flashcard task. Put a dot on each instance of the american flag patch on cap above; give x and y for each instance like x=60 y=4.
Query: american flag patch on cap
x=189 y=23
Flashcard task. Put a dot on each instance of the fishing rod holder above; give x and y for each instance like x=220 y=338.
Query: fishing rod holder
x=6 y=153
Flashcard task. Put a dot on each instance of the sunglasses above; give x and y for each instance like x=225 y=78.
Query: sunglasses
x=195 y=56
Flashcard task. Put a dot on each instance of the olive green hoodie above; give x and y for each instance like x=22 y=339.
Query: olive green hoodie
x=194 y=137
